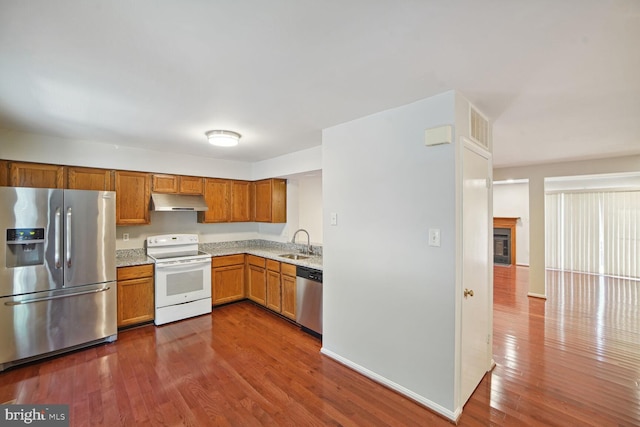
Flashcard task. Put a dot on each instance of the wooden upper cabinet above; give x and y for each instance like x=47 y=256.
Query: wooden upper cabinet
x=175 y=184
x=133 y=191
x=90 y=179
x=270 y=200
x=191 y=185
x=228 y=200
x=37 y=175
x=164 y=183
x=216 y=194
x=240 y=201
x=4 y=173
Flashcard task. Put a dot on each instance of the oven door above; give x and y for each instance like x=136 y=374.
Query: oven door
x=178 y=282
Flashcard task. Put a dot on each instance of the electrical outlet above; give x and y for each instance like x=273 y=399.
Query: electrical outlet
x=125 y=237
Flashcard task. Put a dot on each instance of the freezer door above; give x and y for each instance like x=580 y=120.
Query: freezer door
x=37 y=324
x=30 y=266
x=89 y=254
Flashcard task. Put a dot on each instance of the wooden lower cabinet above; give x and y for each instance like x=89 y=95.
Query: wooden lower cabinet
x=257 y=279
x=273 y=286
x=227 y=278
x=288 y=280
x=280 y=288
x=135 y=295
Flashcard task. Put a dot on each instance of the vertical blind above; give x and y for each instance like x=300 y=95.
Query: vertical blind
x=594 y=232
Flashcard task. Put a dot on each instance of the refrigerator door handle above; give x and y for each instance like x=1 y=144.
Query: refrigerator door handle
x=68 y=238
x=29 y=301
x=58 y=238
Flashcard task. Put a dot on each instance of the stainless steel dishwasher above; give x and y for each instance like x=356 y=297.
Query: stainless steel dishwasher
x=309 y=298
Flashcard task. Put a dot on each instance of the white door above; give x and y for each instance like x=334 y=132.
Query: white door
x=476 y=273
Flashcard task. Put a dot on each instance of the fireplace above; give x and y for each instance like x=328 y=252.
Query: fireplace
x=504 y=240
x=502 y=246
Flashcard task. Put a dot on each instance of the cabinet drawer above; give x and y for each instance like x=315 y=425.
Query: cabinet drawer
x=135 y=272
x=256 y=260
x=288 y=269
x=223 y=261
x=273 y=265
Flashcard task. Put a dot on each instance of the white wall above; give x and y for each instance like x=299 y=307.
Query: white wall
x=310 y=206
x=289 y=164
x=512 y=200
x=184 y=222
x=389 y=297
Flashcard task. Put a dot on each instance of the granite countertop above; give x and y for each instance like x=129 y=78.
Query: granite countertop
x=261 y=248
x=131 y=257
x=314 y=261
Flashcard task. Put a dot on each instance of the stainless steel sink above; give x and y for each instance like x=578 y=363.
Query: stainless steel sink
x=294 y=256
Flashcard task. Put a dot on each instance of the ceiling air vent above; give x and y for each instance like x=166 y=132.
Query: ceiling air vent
x=479 y=128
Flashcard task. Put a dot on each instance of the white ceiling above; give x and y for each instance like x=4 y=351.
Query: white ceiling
x=559 y=79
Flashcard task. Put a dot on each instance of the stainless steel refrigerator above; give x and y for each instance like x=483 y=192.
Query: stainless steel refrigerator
x=58 y=271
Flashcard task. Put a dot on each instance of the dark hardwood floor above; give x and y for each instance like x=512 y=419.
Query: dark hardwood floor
x=572 y=360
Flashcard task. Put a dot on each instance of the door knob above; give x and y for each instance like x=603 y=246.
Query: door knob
x=468 y=293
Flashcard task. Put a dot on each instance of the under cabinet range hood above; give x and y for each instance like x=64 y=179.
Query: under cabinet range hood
x=177 y=202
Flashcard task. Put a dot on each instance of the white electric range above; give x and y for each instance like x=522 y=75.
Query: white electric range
x=182 y=277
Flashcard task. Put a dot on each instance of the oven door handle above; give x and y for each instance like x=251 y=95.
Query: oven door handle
x=172 y=264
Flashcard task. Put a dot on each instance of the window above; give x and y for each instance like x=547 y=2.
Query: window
x=594 y=232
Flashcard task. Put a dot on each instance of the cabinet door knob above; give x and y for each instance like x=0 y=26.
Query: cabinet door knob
x=468 y=293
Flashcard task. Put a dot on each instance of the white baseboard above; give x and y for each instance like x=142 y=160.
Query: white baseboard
x=534 y=295
x=453 y=416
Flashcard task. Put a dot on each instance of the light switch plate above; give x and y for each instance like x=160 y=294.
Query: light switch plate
x=434 y=237
x=334 y=218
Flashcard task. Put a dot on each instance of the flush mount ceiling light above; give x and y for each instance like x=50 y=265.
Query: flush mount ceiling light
x=223 y=138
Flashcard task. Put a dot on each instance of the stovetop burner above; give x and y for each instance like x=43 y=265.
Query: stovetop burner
x=173 y=247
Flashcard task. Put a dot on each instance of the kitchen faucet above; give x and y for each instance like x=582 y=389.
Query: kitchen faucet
x=293 y=240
